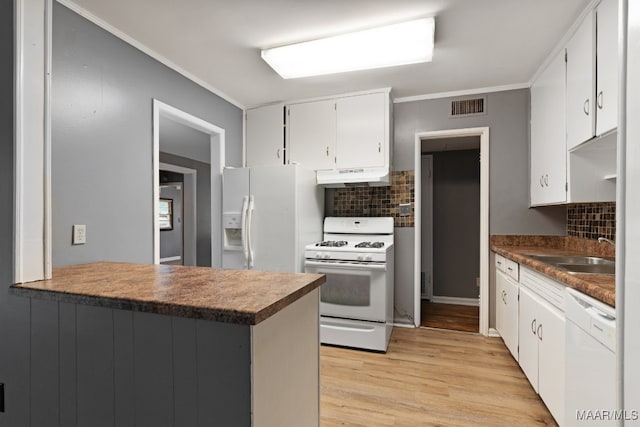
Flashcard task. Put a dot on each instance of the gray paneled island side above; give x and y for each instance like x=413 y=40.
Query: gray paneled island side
x=132 y=344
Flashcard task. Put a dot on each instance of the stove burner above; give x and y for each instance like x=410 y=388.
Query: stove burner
x=333 y=243
x=374 y=245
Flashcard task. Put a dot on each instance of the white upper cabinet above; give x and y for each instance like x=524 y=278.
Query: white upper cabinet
x=592 y=75
x=346 y=132
x=361 y=130
x=581 y=71
x=607 y=66
x=548 y=143
x=265 y=136
x=311 y=134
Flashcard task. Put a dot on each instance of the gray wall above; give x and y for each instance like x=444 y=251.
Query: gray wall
x=102 y=139
x=203 y=204
x=456 y=223
x=508 y=121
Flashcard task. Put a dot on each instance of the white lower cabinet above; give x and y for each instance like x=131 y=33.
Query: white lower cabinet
x=507 y=309
x=541 y=339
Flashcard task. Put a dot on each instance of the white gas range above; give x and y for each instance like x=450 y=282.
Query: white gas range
x=356 y=302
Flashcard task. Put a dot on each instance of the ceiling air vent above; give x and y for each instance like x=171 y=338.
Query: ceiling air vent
x=468 y=107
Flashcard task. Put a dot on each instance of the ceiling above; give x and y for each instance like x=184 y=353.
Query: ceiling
x=479 y=44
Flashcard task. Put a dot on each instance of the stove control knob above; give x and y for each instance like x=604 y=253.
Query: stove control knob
x=360 y=257
x=327 y=256
x=318 y=254
x=368 y=258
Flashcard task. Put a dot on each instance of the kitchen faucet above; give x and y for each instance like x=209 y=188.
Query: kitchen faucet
x=604 y=239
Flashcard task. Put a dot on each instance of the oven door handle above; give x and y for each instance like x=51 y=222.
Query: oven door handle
x=346 y=266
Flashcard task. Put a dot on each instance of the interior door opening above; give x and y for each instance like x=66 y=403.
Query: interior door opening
x=189 y=145
x=451 y=264
x=451 y=233
x=171 y=221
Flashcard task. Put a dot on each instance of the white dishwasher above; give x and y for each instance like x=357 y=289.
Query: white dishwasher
x=590 y=361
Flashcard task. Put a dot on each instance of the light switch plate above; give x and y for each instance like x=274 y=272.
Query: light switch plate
x=79 y=234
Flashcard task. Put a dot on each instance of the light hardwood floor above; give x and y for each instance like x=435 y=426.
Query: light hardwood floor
x=428 y=378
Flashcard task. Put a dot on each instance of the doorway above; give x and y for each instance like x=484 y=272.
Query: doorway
x=164 y=114
x=472 y=288
x=188 y=178
x=451 y=233
x=171 y=219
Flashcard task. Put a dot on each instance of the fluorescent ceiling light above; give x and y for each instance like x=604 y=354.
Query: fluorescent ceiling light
x=406 y=43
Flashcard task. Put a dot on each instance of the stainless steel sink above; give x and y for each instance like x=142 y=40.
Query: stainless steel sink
x=589 y=268
x=578 y=264
x=571 y=259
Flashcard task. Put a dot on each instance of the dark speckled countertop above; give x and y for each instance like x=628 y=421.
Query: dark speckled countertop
x=599 y=286
x=232 y=296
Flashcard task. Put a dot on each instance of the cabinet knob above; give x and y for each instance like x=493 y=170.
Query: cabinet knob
x=546 y=180
x=380 y=145
x=585 y=106
x=327 y=151
x=541 y=181
x=278 y=153
x=533 y=326
x=599 y=100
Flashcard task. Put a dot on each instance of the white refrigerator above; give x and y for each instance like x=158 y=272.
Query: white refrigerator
x=269 y=214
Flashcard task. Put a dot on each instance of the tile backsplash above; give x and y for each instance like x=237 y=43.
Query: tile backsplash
x=592 y=220
x=379 y=201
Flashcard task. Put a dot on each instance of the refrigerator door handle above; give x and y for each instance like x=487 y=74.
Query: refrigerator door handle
x=245 y=229
x=250 y=209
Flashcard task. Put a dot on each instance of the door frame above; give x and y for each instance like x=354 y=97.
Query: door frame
x=190 y=208
x=428 y=211
x=483 y=133
x=217 y=140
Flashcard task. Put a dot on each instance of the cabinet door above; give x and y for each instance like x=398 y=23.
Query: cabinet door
x=511 y=317
x=551 y=360
x=501 y=304
x=548 y=136
x=265 y=136
x=581 y=83
x=311 y=130
x=361 y=130
x=507 y=312
x=607 y=66
x=528 y=338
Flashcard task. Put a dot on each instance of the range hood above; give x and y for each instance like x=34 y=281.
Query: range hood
x=372 y=177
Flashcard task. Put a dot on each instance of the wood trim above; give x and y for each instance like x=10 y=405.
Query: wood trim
x=456 y=300
x=32 y=221
x=466 y=92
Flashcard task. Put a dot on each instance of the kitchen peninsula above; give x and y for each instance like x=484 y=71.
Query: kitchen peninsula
x=133 y=344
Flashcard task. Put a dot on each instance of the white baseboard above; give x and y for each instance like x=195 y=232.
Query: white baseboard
x=493 y=333
x=404 y=325
x=456 y=300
